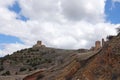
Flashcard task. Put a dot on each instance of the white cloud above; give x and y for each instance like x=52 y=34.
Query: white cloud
x=91 y=10
x=66 y=24
x=6 y=3
x=9 y=48
x=40 y=10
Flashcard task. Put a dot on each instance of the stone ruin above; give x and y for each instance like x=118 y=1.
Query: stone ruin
x=38 y=44
x=98 y=45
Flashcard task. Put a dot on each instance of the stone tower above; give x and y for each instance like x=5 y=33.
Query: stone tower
x=97 y=45
x=103 y=42
x=39 y=44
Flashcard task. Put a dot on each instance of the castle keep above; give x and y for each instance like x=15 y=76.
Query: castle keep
x=39 y=44
x=98 y=45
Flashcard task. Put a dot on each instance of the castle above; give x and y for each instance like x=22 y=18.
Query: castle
x=98 y=45
x=38 y=44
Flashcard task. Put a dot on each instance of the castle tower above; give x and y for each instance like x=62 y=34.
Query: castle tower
x=103 y=42
x=38 y=44
x=97 y=45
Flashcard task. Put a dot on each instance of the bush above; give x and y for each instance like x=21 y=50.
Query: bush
x=118 y=30
x=6 y=73
x=22 y=69
x=1 y=68
x=16 y=73
x=30 y=69
x=109 y=37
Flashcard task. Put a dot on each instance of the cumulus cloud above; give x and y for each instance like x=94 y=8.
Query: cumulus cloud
x=10 y=48
x=40 y=10
x=68 y=24
x=83 y=9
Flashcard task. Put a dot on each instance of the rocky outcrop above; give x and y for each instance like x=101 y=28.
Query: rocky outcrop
x=68 y=71
x=35 y=75
x=105 y=65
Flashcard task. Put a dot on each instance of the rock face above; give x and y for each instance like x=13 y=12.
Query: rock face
x=34 y=76
x=68 y=71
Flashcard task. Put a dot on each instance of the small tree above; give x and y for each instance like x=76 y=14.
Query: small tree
x=1 y=68
x=118 y=30
x=22 y=69
x=109 y=37
x=6 y=73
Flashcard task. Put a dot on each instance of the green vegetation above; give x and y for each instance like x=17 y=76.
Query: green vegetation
x=37 y=61
x=118 y=31
x=109 y=37
x=1 y=68
x=1 y=62
x=22 y=69
x=6 y=73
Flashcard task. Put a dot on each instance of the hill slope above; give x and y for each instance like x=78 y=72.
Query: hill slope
x=103 y=66
x=43 y=63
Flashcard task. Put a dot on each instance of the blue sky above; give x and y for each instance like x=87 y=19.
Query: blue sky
x=6 y=39
x=16 y=8
x=38 y=20
x=112 y=11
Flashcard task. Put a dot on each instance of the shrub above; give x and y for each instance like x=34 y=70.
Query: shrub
x=109 y=37
x=30 y=69
x=1 y=68
x=118 y=30
x=6 y=73
x=16 y=73
x=22 y=69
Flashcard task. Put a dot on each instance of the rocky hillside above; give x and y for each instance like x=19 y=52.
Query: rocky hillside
x=43 y=63
x=29 y=61
x=105 y=65
x=26 y=60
